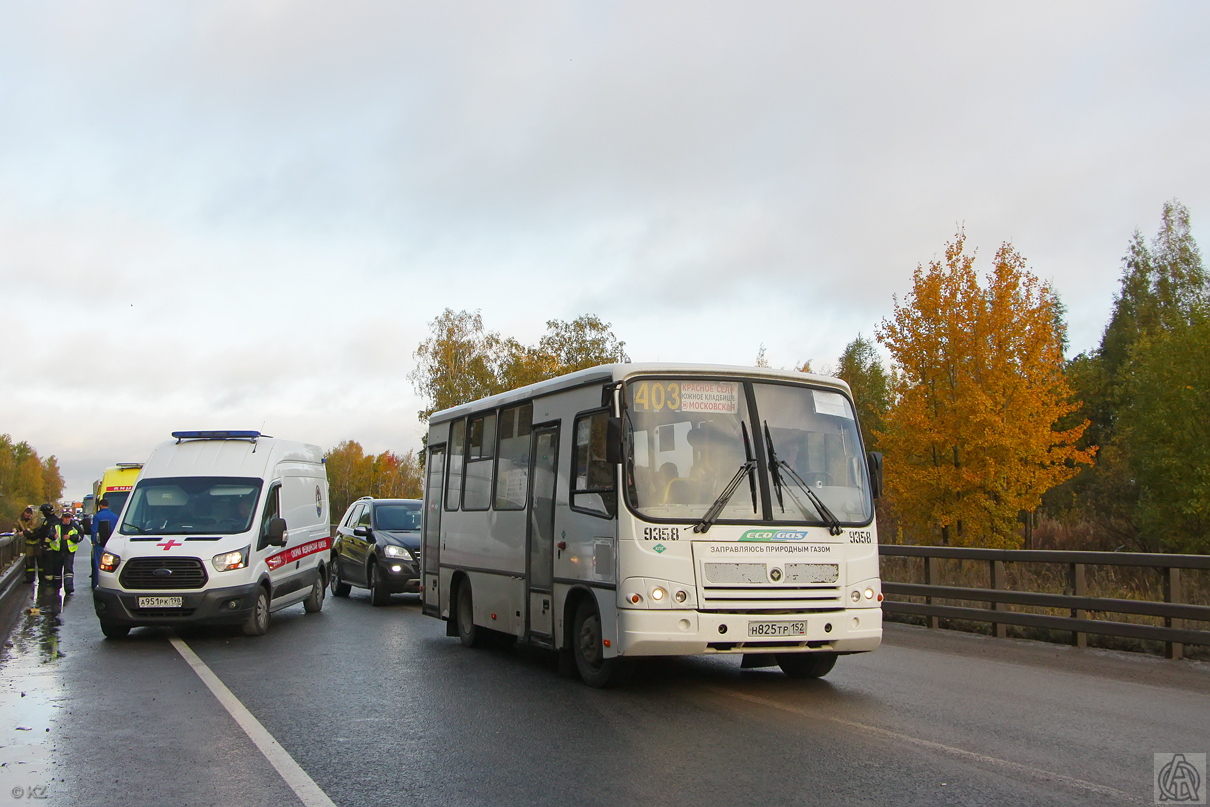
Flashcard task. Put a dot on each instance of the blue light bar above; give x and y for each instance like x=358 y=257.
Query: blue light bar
x=216 y=435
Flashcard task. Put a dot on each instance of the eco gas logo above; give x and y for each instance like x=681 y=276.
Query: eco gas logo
x=774 y=535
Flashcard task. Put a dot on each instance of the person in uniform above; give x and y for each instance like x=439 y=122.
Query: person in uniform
x=103 y=525
x=29 y=527
x=52 y=554
x=69 y=541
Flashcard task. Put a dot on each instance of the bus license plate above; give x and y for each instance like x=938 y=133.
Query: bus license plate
x=161 y=602
x=775 y=629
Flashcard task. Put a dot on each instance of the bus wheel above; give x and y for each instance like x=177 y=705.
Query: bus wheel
x=257 y=622
x=470 y=633
x=113 y=631
x=806 y=665
x=595 y=670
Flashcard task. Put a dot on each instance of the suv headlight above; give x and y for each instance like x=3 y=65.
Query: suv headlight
x=229 y=561
x=109 y=561
x=392 y=551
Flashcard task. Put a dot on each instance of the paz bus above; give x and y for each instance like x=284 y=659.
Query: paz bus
x=635 y=510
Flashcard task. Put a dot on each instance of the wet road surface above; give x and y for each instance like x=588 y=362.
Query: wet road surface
x=376 y=706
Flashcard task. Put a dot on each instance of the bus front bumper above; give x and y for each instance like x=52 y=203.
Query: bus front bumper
x=673 y=633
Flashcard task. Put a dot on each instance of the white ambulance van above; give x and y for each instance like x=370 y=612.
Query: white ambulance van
x=222 y=527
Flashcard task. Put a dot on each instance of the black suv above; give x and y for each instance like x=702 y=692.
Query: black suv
x=377 y=546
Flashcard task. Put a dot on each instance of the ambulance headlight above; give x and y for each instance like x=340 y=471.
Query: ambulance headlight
x=109 y=561
x=228 y=561
x=392 y=551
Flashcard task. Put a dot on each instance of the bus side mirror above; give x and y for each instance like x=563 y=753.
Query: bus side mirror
x=613 y=441
x=874 y=463
x=275 y=532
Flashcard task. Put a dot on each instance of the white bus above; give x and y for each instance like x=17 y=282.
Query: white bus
x=636 y=510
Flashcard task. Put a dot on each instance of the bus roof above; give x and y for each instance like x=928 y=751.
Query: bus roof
x=612 y=373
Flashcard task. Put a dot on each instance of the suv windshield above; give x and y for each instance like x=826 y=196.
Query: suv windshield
x=686 y=441
x=400 y=517
x=191 y=506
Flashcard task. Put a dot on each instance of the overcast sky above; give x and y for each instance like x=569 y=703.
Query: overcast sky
x=246 y=214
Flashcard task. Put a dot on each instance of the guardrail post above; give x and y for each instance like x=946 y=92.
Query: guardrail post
x=997 y=574
x=1079 y=587
x=1172 y=593
x=930 y=579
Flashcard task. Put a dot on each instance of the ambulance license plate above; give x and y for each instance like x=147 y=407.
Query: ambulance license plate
x=776 y=629
x=161 y=602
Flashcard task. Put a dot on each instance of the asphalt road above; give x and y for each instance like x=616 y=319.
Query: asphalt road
x=378 y=707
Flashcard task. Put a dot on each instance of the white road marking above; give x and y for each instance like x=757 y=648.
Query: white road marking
x=969 y=756
x=303 y=785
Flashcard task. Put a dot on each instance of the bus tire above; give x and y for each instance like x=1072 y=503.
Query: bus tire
x=257 y=623
x=595 y=670
x=469 y=633
x=379 y=593
x=113 y=631
x=339 y=587
x=314 y=602
x=806 y=665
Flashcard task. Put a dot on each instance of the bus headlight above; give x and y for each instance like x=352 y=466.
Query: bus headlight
x=229 y=561
x=109 y=561
x=658 y=594
x=680 y=596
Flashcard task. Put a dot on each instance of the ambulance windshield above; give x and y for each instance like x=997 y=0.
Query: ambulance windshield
x=191 y=506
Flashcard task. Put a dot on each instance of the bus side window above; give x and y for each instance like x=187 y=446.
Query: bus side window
x=592 y=488
x=453 y=479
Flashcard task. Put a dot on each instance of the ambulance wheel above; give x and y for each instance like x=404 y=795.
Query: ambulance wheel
x=806 y=665
x=113 y=631
x=314 y=602
x=339 y=587
x=595 y=670
x=379 y=593
x=257 y=622
x=470 y=633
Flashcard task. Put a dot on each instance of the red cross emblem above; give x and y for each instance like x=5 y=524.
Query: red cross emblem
x=169 y=544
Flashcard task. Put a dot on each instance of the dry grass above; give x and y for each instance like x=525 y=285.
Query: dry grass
x=1114 y=582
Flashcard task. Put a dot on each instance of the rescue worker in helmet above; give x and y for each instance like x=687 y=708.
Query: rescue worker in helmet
x=29 y=526
x=52 y=555
x=69 y=541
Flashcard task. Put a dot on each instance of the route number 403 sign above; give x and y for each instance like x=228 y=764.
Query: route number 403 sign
x=686 y=396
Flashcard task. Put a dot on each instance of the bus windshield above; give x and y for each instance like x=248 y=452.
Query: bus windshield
x=688 y=438
x=191 y=506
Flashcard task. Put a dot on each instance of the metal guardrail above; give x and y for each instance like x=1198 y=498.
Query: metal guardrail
x=11 y=548
x=1174 y=633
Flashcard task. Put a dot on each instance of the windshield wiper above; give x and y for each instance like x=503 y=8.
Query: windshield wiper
x=134 y=527
x=746 y=469
x=776 y=466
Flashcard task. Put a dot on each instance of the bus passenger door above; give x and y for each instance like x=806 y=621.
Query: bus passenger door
x=544 y=460
x=431 y=536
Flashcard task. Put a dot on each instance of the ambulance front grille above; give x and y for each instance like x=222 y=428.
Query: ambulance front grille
x=158 y=574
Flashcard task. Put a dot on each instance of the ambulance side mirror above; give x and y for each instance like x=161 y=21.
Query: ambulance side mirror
x=275 y=532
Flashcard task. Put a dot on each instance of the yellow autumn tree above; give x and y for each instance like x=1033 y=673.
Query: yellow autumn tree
x=971 y=439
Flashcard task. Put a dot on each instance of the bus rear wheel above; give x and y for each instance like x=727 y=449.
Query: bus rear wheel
x=595 y=670
x=806 y=665
x=469 y=633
